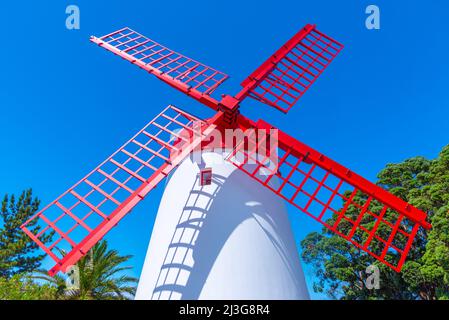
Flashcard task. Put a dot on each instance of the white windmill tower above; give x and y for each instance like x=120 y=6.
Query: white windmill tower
x=218 y=240
x=222 y=230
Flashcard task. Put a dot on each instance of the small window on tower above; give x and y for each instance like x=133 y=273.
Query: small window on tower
x=205 y=176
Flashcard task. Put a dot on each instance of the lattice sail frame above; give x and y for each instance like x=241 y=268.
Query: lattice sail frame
x=82 y=215
x=371 y=218
x=282 y=80
x=181 y=72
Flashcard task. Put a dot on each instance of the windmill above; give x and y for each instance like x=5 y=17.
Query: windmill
x=287 y=172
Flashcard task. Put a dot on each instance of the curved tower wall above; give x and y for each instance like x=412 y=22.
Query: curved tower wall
x=228 y=240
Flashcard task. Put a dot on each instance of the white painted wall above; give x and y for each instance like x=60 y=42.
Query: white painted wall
x=228 y=240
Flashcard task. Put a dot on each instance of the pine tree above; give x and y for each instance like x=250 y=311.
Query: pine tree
x=17 y=250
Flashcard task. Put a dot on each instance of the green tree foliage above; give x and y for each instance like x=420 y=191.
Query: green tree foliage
x=17 y=250
x=340 y=267
x=99 y=275
x=20 y=287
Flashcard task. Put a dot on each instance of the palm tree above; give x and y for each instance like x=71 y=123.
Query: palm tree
x=98 y=276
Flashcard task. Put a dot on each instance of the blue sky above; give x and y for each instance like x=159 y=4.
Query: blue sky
x=66 y=105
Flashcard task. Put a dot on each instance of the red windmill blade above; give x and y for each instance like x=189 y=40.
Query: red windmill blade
x=187 y=75
x=324 y=189
x=282 y=79
x=82 y=215
x=309 y=180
